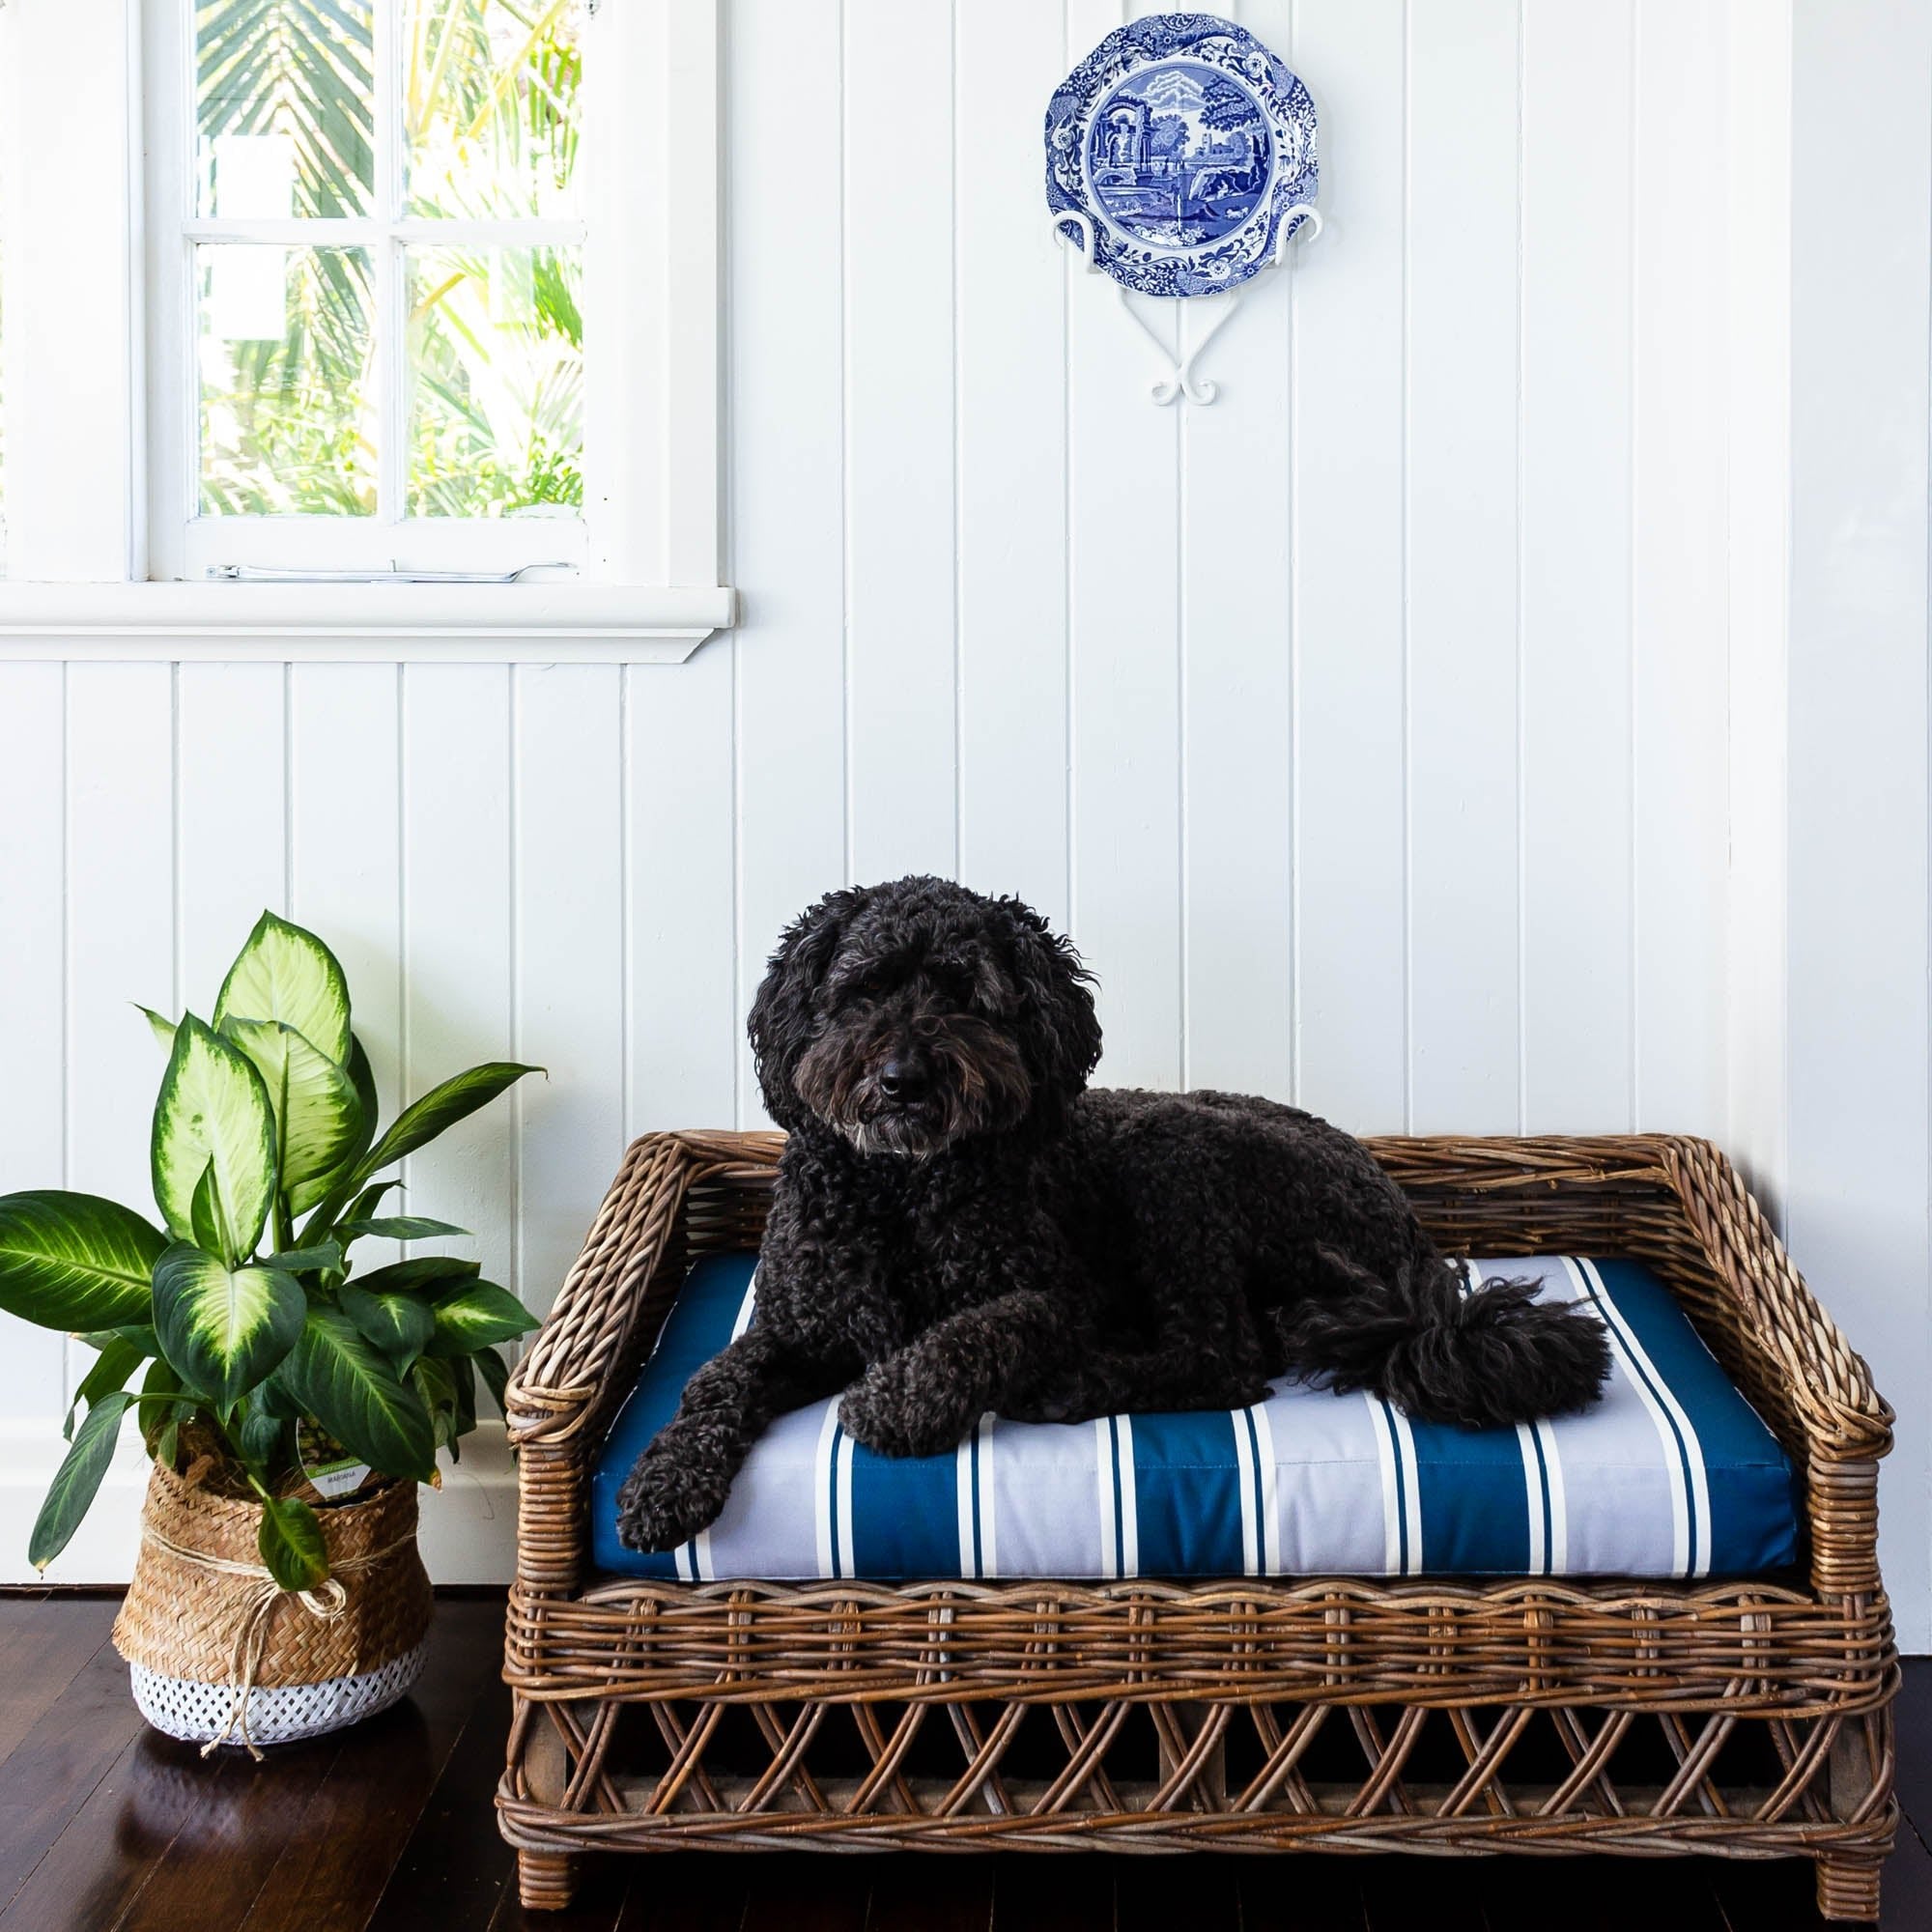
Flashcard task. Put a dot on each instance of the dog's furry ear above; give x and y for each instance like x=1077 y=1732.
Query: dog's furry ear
x=784 y=1016
x=1059 y=1032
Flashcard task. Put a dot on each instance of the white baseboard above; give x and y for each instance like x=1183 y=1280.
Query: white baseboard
x=468 y=1532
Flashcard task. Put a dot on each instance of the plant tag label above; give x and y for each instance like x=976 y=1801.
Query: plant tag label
x=334 y=1472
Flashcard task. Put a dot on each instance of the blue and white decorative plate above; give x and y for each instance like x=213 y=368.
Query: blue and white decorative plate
x=1180 y=148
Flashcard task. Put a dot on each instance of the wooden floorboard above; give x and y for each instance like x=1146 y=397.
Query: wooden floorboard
x=105 y=1826
x=351 y=1832
x=53 y=1772
x=908 y=1895
x=1043 y=1893
x=1163 y=1894
x=47 y=1645
x=454 y=1866
x=1453 y=1888
x=1319 y=1894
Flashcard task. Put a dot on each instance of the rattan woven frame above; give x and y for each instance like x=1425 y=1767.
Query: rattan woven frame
x=1806 y=1662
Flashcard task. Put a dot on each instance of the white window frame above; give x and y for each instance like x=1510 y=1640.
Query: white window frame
x=99 y=409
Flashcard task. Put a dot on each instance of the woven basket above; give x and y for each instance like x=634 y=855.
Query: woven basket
x=221 y=1656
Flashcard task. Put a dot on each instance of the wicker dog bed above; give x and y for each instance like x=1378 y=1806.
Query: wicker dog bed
x=1742 y=1718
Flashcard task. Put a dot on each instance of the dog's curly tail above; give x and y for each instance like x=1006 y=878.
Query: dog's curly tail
x=1479 y=1357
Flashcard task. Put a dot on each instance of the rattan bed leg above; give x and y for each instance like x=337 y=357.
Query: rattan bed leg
x=546 y=1880
x=1847 y=1881
x=1848 y=1886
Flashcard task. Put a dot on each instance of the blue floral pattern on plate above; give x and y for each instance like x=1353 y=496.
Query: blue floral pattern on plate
x=1186 y=144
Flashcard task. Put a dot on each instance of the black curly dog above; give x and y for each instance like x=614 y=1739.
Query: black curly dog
x=960 y=1226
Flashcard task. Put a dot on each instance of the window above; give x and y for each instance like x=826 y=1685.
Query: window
x=406 y=288
x=366 y=278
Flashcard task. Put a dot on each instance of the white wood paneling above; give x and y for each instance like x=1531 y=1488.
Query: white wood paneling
x=1124 y=557
x=1237 y=691
x=1861 y=319
x=681 y=877
x=1012 y=471
x=1678 y=577
x=1578 y=1048
x=899 y=582
x=568 y=832
x=120 y=917
x=120 y=921
x=1758 y=434
x=231 y=747
x=33 y=992
x=345 y=847
x=1459 y=518
x=73 y=370
x=1349 y=913
x=569 y=921
x=457 y=970
x=787 y=527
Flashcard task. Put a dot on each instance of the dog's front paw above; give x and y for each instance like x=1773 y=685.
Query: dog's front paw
x=670 y=1496
x=893 y=1410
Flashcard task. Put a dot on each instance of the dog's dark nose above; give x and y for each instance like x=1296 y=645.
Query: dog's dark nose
x=902 y=1080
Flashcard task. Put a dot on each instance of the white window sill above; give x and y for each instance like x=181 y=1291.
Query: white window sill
x=319 y=623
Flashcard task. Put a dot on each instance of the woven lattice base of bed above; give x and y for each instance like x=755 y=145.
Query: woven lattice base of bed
x=1748 y=1719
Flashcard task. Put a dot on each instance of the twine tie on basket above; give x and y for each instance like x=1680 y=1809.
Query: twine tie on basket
x=252 y=1631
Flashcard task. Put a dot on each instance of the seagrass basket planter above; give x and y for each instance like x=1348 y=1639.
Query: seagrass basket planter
x=1745 y=1717
x=219 y=1654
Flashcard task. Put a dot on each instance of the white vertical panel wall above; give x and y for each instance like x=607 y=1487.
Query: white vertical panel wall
x=1368 y=727
x=1855 y=1185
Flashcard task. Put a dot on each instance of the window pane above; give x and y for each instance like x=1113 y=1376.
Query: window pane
x=284 y=93
x=286 y=398
x=490 y=101
x=496 y=380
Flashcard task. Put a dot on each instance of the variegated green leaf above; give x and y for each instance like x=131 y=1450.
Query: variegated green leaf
x=437 y=1388
x=115 y=1363
x=74 y=1260
x=494 y=1371
x=463 y=1369
x=224 y=1328
x=77 y=1480
x=369 y=1200
x=440 y=1108
x=399 y=1228
x=140 y=1334
x=286 y=974
x=157 y=1415
x=206 y=1220
x=275 y=1399
x=420 y=1122
x=324 y=1258
x=399 y=1325
x=347 y=1383
x=290 y=1541
x=478 y=1316
x=214 y=1112
x=162 y=1026
x=304 y=1197
x=317 y=1114
x=423 y=1274
x=263 y=1438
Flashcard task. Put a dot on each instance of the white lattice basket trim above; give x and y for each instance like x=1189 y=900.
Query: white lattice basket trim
x=278 y=1714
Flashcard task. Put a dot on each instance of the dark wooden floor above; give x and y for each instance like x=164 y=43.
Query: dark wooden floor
x=107 y=1826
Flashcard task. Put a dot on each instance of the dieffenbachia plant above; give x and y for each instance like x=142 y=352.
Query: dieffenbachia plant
x=248 y=1322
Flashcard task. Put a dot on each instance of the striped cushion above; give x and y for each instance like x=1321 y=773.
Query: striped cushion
x=1671 y=1475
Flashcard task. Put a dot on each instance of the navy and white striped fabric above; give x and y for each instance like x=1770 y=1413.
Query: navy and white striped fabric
x=1671 y=1475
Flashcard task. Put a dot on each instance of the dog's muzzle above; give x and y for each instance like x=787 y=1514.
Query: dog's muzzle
x=915 y=1089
